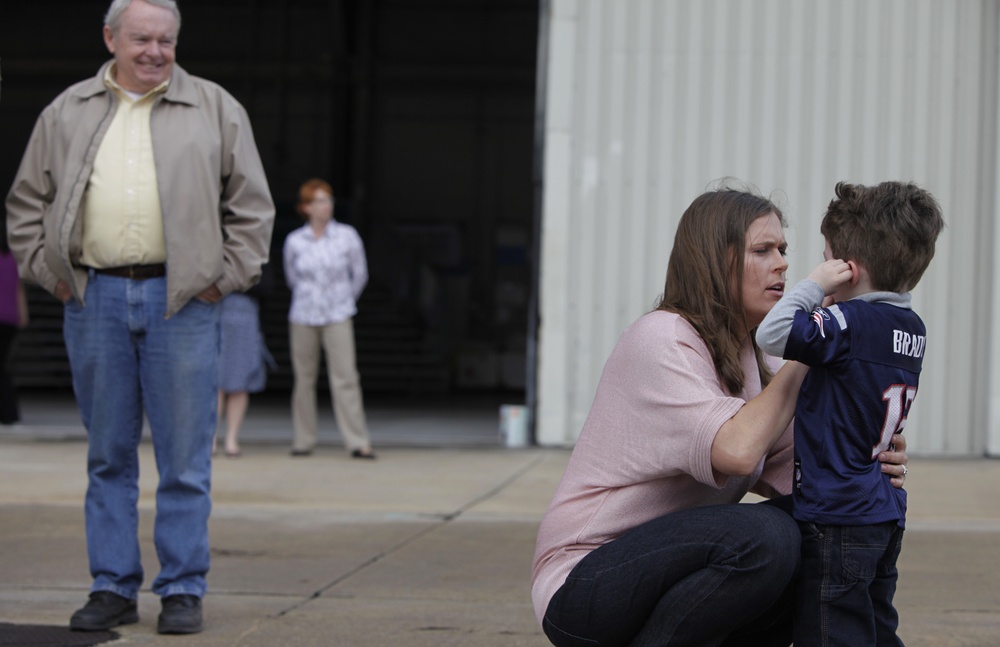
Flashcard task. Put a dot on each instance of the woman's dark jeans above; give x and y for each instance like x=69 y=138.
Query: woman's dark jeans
x=846 y=585
x=714 y=575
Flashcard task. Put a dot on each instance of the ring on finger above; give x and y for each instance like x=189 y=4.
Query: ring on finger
x=906 y=471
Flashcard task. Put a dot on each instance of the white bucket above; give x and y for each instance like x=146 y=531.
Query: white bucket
x=513 y=425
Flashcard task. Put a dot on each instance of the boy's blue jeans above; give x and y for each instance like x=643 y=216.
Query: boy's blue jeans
x=846 y=584
x=714 y=575
x=127 y=359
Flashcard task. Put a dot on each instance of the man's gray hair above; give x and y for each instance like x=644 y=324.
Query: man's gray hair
x=113 y=18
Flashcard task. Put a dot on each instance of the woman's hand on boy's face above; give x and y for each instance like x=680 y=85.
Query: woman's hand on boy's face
x=831 y=275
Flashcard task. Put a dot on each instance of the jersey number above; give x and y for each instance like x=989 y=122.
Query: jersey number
x=897 y=398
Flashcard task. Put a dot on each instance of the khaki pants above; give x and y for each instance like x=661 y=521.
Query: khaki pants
x=337 y=340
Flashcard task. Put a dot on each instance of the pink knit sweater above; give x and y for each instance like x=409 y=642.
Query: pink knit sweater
x=645 y=448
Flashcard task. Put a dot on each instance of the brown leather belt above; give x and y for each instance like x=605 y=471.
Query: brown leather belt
x=137 y=272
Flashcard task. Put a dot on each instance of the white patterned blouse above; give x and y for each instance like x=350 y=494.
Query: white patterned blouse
x=326 y=275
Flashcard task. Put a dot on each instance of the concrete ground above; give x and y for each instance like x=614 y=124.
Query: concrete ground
x=429 y=545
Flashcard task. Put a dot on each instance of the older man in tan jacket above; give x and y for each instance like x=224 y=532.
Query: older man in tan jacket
x=140 y=201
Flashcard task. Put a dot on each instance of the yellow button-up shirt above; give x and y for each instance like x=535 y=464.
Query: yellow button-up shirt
x=122 y=220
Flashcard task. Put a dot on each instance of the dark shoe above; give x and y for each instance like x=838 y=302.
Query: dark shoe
x=369 y=455
x=301 y=452
x=181 y=615
x=103 y=611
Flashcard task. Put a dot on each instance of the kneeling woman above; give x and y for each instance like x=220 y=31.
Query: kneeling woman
x=645 y=541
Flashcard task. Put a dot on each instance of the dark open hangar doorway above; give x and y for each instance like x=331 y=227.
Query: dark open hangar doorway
x=421 y=114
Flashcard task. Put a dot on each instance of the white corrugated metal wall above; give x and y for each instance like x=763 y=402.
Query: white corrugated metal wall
x=649 y=101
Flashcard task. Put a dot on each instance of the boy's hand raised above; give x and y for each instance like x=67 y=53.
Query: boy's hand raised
x=831 y=275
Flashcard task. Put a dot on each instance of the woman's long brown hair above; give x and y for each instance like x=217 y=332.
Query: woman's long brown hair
x=705 y=276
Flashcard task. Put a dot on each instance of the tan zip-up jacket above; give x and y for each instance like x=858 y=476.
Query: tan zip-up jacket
x=217 y=208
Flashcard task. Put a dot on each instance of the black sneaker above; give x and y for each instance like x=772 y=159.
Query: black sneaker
x=103 y=611
x=181 y=615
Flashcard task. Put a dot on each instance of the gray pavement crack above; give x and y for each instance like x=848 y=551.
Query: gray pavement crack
x=445 y=519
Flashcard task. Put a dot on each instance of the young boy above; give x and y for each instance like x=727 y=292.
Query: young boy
x=865 y=350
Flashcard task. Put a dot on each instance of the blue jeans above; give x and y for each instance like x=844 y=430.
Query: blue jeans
x=846 y=584
x=714 y=575
x=127 y=359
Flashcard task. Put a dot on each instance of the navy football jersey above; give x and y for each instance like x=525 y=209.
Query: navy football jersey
x=865 y=359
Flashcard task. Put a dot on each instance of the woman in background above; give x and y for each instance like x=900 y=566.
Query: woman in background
x=326 y=270
x=243 y=357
